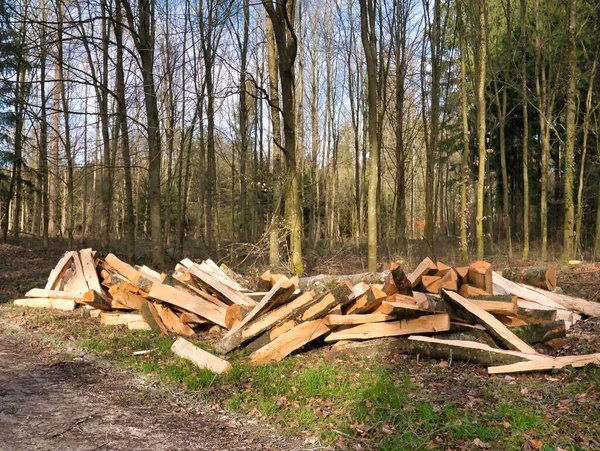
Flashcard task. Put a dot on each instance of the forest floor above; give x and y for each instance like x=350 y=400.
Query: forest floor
x=67 y=383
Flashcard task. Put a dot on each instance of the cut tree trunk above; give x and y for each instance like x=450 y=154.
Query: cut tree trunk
x=537 y=276
x=538 y=332
x=461 y=350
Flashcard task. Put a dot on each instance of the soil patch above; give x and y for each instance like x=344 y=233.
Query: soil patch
x=54 y=401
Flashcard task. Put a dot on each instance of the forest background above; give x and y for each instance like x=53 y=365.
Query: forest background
x=267 y=130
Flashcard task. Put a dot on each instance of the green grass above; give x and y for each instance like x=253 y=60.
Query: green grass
x=403 y=404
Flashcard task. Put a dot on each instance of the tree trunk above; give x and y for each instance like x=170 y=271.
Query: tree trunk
x=464 y=209
x=568 y=239
x=481 y=129
x=586 y=128
x=274 y=258
x=282 y=18
x=245 y=221
x=69 y=200
x=122 y=110
x=369 y=41
x=144 y=41
x=400 y=153
x=525 y=130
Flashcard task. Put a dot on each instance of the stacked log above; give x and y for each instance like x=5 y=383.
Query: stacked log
x=502 y=318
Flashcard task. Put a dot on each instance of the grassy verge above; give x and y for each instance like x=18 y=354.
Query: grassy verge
x=396 y=404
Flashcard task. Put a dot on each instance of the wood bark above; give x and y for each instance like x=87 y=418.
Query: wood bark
x=144 y=42
x=569 y=178
x=369 y=41
x=282 y=18
x=481 y=125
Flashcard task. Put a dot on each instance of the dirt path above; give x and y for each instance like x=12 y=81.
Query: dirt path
x=60 y=402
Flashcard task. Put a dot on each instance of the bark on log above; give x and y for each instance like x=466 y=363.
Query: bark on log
x=403 y=285
x=538 y=332
x=324 y=282
x=536 y=276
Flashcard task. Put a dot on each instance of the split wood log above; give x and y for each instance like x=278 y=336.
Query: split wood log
x=348 y=320
x=226 y=292
x=432 y=284
x=200 y=357
x=533 y=312
x=324 y=282
x=537 y=276
x=411 y=300
x=60 y=304
x=359 y=289
x=537 y=332
x=389 y=287
x=78 y=283
x=187 y=301
x=290 y=341
x=442 y=269
x=469 y=291
x=90 y=312
x=432 y=323
x=314 y=309
x=234 y=314
x=138 y=325
x=495 y=307
x=402 y=310
x=264 y=281
x=463 y=274
x=235 y=336
x=403 y=285
x=450 y=280
x=89 y=270
x=52 y=294
x=572 y=303
x=96 y=300
x=144 y=281
x=549 y=363
x=421 y=270
x=153 y=319
x=488 y=321
x=172 y=322
x=274 y=317
x=470 y=351
x=435 y=303
x=511 y=321
x=185 y=282
x=59 y=270
x=121 y=267
x=480 y=275
x=523 y=292
x=126 y=298
x=368 y=301
x=119 y=318
x=211 y=267
x=192 y=318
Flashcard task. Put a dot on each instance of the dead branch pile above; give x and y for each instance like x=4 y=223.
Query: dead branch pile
x=502 y=318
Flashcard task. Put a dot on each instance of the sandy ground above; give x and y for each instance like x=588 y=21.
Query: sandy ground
x=51 y=401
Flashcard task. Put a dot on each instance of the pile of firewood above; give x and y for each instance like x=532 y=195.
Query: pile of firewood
x=501 y=317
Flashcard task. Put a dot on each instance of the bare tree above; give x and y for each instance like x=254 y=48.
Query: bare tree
x=282 y=18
